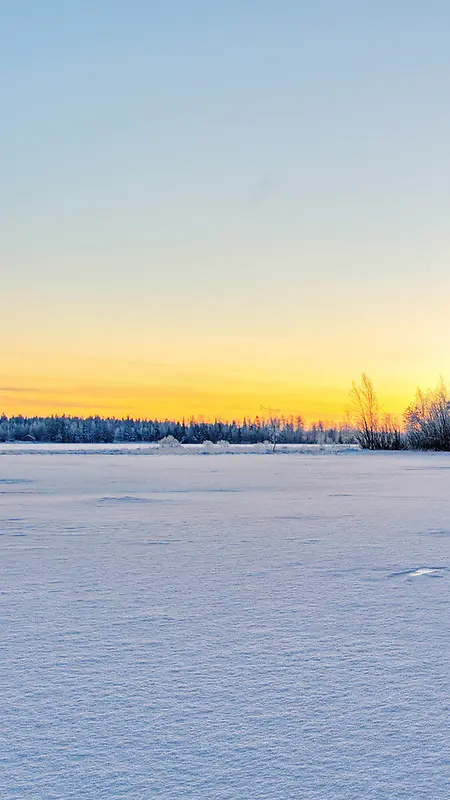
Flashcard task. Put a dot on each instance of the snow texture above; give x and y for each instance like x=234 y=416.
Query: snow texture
x=171 y=445
x=261 y=627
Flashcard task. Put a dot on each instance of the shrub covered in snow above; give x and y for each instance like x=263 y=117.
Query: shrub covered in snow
x=208 y=446
x=170 y=443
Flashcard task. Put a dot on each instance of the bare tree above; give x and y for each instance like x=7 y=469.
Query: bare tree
x=373 y=430
x=274 y=425
x=365 y=412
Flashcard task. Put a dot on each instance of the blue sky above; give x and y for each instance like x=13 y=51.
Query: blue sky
x=254 y=187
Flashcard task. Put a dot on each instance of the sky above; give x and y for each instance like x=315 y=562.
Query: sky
x=206 y=208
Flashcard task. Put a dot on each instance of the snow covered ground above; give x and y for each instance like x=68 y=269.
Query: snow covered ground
x=270 y=627
x=154 y=448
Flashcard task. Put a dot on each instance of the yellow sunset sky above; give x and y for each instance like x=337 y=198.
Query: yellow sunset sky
x=206 y=213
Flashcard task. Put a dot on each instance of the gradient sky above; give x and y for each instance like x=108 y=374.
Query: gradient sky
x=207 y=207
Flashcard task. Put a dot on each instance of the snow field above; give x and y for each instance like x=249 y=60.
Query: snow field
x=267 y=627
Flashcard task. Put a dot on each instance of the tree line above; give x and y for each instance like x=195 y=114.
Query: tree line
x=96 y=429
x=425 y=425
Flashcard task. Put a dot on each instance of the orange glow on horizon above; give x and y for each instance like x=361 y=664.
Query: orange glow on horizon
x=225 y=377
x=215 y=400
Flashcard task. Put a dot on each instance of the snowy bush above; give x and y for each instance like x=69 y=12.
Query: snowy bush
x=428 y=420
x=262 y=447
x=208 y=446
x=170 y=443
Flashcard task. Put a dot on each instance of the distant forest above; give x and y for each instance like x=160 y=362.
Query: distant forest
x=425 y=425
x=66 y=429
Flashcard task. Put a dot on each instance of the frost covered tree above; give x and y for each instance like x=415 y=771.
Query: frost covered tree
x=273 y=425
x=92 y=429
x=427 y=419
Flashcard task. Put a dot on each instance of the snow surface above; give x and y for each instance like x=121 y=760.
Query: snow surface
x=154 y=448
x=264 y=627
